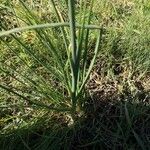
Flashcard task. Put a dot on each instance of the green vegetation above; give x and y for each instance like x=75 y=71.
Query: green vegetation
x=74 y=74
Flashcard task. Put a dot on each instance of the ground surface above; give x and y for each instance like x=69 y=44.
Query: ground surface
x=116 y=111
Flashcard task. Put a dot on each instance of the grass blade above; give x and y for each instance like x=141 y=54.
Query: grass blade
x=98 y=44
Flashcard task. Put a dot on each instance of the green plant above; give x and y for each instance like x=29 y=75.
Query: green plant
x=69 y=69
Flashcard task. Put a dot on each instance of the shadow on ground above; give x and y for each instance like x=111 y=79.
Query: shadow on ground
x=119 y=125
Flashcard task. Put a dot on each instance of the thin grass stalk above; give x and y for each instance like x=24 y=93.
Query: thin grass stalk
x=71 y=4
x=86 y=42
x=79 y=52
x=98 y=44
x=47 y=25
x=81 y=38
x=65 y=35
x=59 y=18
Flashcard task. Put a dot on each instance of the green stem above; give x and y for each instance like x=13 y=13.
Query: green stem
x=74 y=69
x=47 y=25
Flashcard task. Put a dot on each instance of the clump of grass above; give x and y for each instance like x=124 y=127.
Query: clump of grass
x=67 y=73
